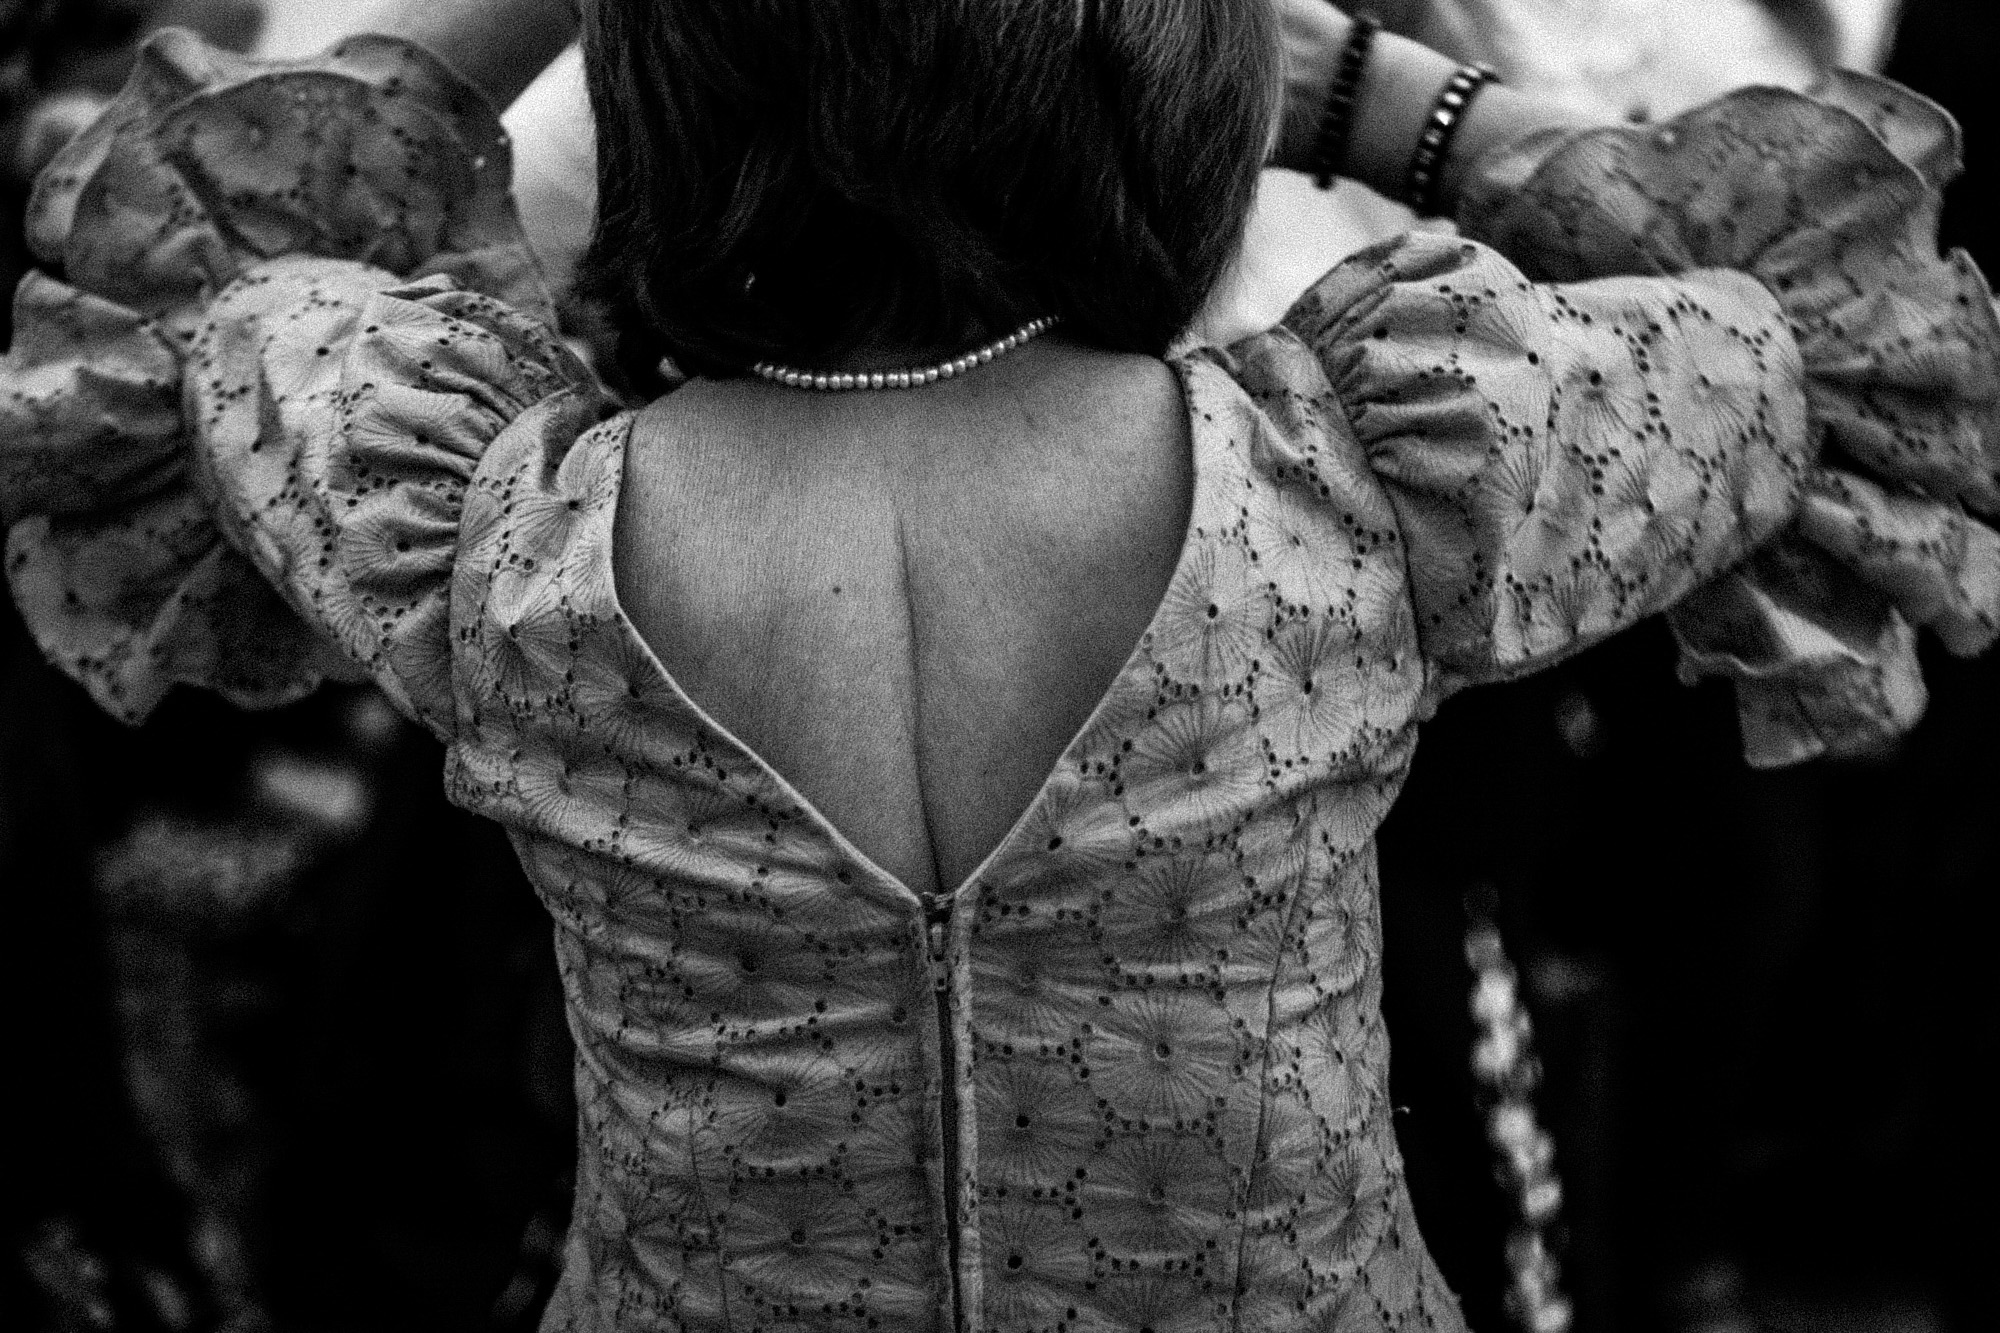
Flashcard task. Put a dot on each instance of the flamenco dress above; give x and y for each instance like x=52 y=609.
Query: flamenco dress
x=296 y=408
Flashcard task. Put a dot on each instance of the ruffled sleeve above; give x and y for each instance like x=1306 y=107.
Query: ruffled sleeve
x=293 y=308
x=1563 y=459
x=1831 y=201
x=339 y=417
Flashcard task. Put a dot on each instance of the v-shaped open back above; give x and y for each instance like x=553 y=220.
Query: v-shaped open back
x=911 y=669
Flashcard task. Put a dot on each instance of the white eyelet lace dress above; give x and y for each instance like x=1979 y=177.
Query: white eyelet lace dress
x=294 y=407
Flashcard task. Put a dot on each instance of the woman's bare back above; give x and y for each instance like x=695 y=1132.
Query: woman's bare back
x=908 y=603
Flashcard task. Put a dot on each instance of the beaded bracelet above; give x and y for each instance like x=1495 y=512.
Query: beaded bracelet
x=1420 y=191
x=1337 y=121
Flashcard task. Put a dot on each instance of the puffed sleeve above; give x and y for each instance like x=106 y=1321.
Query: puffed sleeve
x=1562 y=459
x=1831 y=201
x=293 y=308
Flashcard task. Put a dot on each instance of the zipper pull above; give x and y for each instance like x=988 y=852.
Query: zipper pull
x=939 y=912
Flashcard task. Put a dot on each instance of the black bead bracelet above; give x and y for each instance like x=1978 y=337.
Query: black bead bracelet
x=1420 y=191
x=1336 y=123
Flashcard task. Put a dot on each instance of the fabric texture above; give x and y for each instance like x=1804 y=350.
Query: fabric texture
x=1832 y=201
x=206 y=164
x=296 y=401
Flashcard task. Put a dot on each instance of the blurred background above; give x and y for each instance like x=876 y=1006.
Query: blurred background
x=284 y=1035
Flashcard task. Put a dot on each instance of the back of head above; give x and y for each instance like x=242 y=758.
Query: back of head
x=800 y=180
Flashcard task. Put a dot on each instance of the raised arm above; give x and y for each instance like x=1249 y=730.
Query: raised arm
x=237 y=432
x=1831 y=201
x=498 y=46
x=1825 y=207
x=1398 y=89
x=1563 y=459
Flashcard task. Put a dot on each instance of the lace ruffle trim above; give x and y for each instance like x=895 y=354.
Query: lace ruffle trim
x=206 y=165
x=1832 y=200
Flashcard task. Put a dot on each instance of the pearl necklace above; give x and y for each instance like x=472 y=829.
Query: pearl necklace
x=910 y=377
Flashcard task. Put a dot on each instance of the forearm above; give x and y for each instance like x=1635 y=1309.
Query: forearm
x=497 y=45
x=1398 y=89
x=1542 y=506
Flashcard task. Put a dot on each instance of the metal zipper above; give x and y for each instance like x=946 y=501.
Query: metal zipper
x=937 y=913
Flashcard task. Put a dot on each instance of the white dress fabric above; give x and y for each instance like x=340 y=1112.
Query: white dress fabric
x=295 y=407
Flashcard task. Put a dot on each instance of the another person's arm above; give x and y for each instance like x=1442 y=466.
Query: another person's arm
x=498 y=46
x=1398 y=90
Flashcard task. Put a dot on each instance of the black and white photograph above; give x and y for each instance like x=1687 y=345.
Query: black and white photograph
x=755 y=666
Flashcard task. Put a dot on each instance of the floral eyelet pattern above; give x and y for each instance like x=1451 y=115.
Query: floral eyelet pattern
x=1133 y=1074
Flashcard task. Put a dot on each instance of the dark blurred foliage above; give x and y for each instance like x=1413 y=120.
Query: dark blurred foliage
x=288 y=1023
x=1764 y=998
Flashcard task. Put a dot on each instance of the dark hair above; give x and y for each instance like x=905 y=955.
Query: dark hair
x=797 y=179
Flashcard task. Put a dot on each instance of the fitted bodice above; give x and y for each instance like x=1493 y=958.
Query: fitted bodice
x=1147 y=1022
